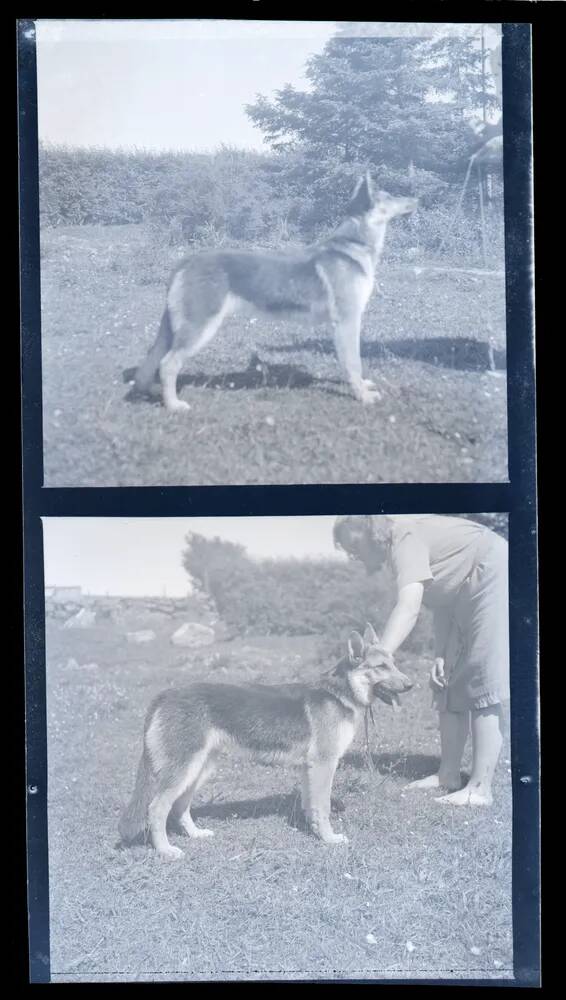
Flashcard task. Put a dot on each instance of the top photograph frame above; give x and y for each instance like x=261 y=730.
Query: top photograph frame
x=300 y=293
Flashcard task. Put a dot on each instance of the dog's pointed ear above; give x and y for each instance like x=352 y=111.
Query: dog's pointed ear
x=355 y=648
x=362 y=198
x=371 y=637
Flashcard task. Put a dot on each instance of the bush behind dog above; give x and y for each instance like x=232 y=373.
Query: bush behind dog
x=240 y=197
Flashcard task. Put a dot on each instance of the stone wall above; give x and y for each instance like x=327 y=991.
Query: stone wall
x=62 y=604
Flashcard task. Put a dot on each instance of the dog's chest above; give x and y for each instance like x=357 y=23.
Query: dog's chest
x=345 y=735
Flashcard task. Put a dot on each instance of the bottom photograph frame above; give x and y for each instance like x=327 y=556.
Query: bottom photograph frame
x=340 y=852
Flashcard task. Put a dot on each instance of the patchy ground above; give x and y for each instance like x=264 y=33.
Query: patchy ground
x=420 y=891
x=442 y=417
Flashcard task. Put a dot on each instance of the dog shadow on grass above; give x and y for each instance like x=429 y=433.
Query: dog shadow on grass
x=287 y=807
x=455 y=353
x=458 y=353
x=409 y=767
x=258 y=375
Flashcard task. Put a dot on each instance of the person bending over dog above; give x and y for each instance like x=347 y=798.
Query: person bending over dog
x=460 y=570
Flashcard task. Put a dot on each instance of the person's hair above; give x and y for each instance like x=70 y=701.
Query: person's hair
x=368 y=527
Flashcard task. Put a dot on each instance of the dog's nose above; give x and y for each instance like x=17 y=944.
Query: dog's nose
x=407 y=684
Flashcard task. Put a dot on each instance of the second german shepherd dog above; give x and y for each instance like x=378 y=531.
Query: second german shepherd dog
x=329 y=282
x=314 y=724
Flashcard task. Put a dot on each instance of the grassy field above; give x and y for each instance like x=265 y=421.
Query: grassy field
x=421 y=890
x=442 y=417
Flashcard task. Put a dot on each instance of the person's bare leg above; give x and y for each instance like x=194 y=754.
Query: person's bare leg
x=487 y=739
x=454 y=729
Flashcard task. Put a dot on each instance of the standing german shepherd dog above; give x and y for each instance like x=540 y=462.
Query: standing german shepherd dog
x=329 y=282
x=313 y=724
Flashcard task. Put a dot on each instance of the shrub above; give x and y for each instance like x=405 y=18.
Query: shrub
x=292 y=597
x=233 y=197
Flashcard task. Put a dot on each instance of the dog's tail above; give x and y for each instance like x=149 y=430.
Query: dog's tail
x=133 y=821
x=148 y=368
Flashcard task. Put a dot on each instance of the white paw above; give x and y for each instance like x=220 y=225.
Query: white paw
x=368 y=396
x=179 y=406
x=171 y=853
x=336 y=838
x=200 y=832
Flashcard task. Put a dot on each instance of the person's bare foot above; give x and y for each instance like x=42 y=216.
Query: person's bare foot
x=433 y=781
x=466 y=797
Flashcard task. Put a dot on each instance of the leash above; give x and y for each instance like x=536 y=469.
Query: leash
x=369 y=715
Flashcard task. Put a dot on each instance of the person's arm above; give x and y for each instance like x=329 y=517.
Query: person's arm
x=403 y=618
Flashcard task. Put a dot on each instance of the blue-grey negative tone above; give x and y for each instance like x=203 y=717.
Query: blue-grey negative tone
x=210 y=206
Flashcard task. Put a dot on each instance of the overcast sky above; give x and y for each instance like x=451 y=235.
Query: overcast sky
x=164 y=85
x=136 y=556
x=175 y=84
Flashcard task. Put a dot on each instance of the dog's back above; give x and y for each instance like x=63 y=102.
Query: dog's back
x=257 y=717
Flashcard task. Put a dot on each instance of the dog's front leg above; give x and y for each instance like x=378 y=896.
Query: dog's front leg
x=347 y=340
x=317 y=784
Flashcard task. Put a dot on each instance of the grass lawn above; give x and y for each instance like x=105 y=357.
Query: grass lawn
x=442 y=416
x=421 y=890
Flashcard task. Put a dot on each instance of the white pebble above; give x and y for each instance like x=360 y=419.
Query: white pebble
x=371 y=939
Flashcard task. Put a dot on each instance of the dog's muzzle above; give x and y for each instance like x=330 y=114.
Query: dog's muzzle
x=390 y=697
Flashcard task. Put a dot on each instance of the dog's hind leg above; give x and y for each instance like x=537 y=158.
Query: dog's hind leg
x=172 y=785
x=186 y=344
x=148 y=369
x=305 y=798
x=347 y=339
x=169 y=370
x=183 y=805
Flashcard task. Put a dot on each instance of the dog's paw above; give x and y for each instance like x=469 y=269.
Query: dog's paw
x=179 y=406
x=171 y=853
x=201 y=832
x=365 y=391
x=336 y=838
x=369 y=396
